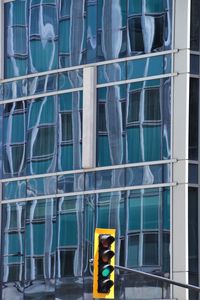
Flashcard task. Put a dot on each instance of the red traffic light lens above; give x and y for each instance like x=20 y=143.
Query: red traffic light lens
x=106 y=240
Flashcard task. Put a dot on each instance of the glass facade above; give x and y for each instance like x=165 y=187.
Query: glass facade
x=193 y=192
x=50 y=204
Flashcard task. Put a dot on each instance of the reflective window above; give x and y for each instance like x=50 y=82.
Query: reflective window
x=195 y=25
x=133 y=122
x=14 y=140
x=79 y=32
x=193 y=119
x=70 y=131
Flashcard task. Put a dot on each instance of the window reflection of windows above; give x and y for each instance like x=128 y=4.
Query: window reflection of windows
x=16 y=42
x=66 y=127
x=144 y=225
x=41 y=135
x=70 y=128
x=135 y=35
x=14 y=139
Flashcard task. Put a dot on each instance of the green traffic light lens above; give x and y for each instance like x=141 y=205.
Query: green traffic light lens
x=106 y=272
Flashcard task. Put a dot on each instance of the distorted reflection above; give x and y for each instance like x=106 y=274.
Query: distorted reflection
x=44 y=240
x=77 y=32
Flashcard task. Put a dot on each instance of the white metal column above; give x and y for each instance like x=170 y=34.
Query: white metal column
x=180 y=142
x=89 y=118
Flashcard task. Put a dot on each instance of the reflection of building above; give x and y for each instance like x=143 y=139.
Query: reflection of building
x=94 y=116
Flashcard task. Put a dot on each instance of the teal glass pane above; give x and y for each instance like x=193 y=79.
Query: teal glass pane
x=38 y=238
x=55 y=239
x=48 y=110
x=133 y=251
x=89 y=218
x=166 y=209
x=111 y=72
x=101 y=94
x=15 y=243
x=123 y=7
x=103 y=151
x=43 y=2
x=150 y=249
x=154 y=6
x=15 y=212
x=152 y=143
x=34 y=112
x=64 y=34
x=134 y=147
x=44 y=143
x=166 y=253
x=152 y=83
x=66 y=102
x=39 y=167
x=20 y=12
x=122 y=217
x=136 y=68
x=71 y=79
x=150 y=212
x=156 y=65
x=14 y=190
x=48 y=58
x=134 y=7
x=102 y=215
x=68 y=234
x=15 y=67
x=18 y=121
x=152 y=109
x=134 y=213
x=66 y=159
x=41 y=186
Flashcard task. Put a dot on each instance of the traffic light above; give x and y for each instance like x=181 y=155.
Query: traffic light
x=104 y=262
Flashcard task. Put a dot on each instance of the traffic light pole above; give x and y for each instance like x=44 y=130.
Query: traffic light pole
x=163 y=279
x=160 y=278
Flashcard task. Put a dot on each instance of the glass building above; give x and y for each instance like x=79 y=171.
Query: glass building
x=99 y=121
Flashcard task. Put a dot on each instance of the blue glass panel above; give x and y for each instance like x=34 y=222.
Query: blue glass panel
x=48 y=58
x=14 y=190
x=103 y=151
x=152 y=143
x=15 y=244
x=110 y=179
x=70 y=183
x=134 y=7
x=71 y=79
x=15 y=89
x=66 y=157
x=42 y=84
x=194 y=64
x=166 y=209
x=155 y=6
x=193 y=173
x=111 y=72
x=133 y=251
x=110 y=211
x=150 y=249
x=65 y=7
x=41 y=186
x=91 y=31
x=150 y=212
x=64 y=34
x=110 y=32
x=134 y=212
x=90 y=181
x=134 y=146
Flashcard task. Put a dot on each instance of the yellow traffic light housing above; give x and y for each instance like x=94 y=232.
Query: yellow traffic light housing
x=104 y=263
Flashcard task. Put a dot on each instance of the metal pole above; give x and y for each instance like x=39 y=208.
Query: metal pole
x=163 y=279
